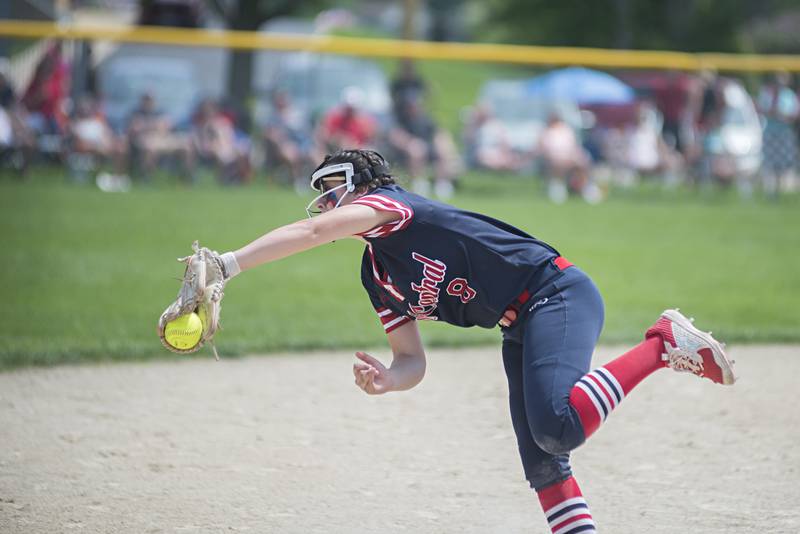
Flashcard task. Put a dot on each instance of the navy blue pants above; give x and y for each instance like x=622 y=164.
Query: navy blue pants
x=545 y=352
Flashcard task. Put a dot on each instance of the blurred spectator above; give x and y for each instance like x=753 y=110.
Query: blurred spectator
x=674 y=100
x=407 y=88
x=564 y=161
x=288 y=140
x=151 y=138
x=710 y=163
x=796 y=88
x=647 y=152
x=239 y=119
x=446 y=163
x=346 y=125
x=780 y=107
x=487 y=144
x=89 y=134
x=679 y=98
x=607 y=150
x=421 y=144
x=409 y=151
x=729 y=138
x=90 y=142
x=83 y=72
x=16 y=139
x=215 y=142
x=8 y=97
x=6 y=132
x=417 y=139
x=47 y=91
x=711 y=103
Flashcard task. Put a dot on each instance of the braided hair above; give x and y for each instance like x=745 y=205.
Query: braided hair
x=362 y=160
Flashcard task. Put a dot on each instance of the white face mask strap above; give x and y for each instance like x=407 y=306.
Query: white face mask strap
x=313 y=203
x=347 y=192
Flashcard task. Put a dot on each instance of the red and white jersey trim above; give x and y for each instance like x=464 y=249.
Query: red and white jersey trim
x=391 y=320
x=385 y=283
x=384 y=203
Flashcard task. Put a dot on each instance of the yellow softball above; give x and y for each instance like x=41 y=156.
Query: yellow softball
x=184 y=332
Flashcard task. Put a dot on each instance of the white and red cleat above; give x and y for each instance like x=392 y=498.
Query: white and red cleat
x=687 y=349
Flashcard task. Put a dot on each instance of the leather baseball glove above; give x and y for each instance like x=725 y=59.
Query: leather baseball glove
x=201 y=292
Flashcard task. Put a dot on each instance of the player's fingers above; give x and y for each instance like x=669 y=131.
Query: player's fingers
x=366 y=358
x=359 y=376
x=363 y=377
x=368 y=383
x=374 y=370
x=357 y=372
x=360 y=382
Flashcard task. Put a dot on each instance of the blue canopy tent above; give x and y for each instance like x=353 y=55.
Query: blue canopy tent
x=581 y=86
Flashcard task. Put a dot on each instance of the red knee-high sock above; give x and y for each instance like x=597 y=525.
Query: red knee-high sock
x=565 y=508
x=597 y=393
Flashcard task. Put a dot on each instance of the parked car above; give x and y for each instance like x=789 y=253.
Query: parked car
x=737 y=148
x=522 y=117
x=732 y=148
x=172 y=82
x=315 y=84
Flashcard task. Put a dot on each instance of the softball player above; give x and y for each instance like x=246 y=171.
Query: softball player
x=425 y=260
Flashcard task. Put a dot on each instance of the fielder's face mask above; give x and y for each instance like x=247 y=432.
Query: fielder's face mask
x=351 y=181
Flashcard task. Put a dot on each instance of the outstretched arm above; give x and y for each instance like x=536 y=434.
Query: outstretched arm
x=407 y=368
x=306 y=234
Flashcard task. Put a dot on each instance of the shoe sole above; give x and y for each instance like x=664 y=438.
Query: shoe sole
x=720 y=358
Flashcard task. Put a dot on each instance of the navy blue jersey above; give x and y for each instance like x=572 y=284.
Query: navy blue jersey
x=441 y=263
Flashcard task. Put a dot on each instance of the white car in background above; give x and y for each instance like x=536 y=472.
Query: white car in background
x=739 y=148
x=172 y=82
x=315 y=83
x=520 y=116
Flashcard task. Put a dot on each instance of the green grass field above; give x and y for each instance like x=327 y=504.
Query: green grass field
x=86 y=274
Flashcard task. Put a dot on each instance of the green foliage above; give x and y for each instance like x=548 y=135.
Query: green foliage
x=698 y=26
x=86 y=274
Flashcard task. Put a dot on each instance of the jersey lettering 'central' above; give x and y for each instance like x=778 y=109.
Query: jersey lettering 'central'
x=428 y=288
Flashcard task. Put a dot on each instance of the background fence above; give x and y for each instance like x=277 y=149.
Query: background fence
x=529 y=55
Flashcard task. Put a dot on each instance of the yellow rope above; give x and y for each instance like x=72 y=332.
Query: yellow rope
x=532 y=55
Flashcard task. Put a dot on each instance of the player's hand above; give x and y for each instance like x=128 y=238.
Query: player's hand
x=371 y=375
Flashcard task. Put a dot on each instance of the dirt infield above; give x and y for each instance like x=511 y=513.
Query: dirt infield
x=287 y=444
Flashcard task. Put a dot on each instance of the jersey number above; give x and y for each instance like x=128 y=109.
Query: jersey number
x=458 y=287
